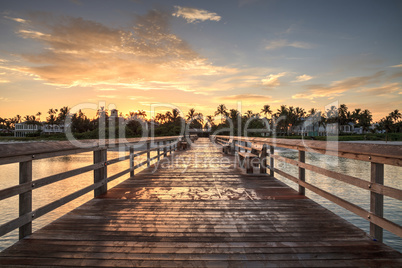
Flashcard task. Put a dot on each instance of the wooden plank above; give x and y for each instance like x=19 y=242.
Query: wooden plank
x=302 y=172
x=271 y=160
x=25 y=199
x=376 y=199
x=132 y=161
x=100 y=175
x=148 y=154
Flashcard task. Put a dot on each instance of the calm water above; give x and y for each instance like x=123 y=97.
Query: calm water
x=47 y=194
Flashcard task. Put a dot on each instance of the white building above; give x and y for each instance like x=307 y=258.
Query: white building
x=52 y=129
x=21 y=129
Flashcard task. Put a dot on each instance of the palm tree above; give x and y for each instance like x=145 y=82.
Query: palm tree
x=210 y=121
x=38 y=114
x=63 y=114
x=142 y=113
x=52 y=116
x=249 y=114
x=365 y=120
x=266 y=110
x=175 y=115
x=282 y=112
x=18 y=118
x=168 y=116
x=343 y=115
x=222 y=111
x=191 y=114
x=395 y=115
x=158 y=118
x=356 y=116
x=312 y=112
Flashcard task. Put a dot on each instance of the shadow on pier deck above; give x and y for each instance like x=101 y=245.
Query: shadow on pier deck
x=197 y=210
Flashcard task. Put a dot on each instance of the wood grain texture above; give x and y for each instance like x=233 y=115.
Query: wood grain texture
x=196 y=209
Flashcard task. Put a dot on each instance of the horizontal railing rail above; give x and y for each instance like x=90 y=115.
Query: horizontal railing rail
x=26 y=153
x=376 y=154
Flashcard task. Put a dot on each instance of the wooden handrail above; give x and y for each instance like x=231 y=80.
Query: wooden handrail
x=36 y=150
x=25 y=153
x=377 y=154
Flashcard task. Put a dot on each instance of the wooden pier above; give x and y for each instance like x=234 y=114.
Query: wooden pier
x=197 y=209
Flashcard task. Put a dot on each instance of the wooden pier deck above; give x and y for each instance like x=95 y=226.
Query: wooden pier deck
x=197 y=210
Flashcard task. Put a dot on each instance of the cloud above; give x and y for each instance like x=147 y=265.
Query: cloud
x=302 y=78
x=16 y=19
x=80 y=52
x=194 y=15
x=397 y=66
x=272 y=80
x=107 y=96
x=383 y=90
x=249 y=97
x=105 y=89
x=280 y=43
x=336 y=88
x=395 y=75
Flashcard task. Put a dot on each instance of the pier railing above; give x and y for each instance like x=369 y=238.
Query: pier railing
x=377 y=155
x=26 y=153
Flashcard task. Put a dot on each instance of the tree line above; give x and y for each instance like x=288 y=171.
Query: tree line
x=170 y=122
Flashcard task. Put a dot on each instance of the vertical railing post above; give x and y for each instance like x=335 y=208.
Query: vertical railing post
x=263 y=160
x=377 y=200
x=148 y=154
x=100 y=174
x=131 y=161
x=164 y=149
x=158 y=151
x=271 y=160
x=25 y=202
x=302 y=172
x=170 y=147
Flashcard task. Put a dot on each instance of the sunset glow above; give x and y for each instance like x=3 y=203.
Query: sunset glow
x=199 y=54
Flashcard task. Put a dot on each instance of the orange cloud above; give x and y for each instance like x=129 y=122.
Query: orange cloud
x=336 y=88
x=383 y=90
x=302 y=78
x=80 y=52
x=247 y=98
x=272 y=80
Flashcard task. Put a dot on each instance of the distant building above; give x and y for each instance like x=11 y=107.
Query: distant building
x=22 y=129
x=114 y=113
x=53 y=129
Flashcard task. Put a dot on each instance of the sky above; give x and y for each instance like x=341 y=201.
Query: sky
x=155 y=55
